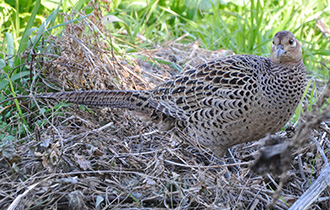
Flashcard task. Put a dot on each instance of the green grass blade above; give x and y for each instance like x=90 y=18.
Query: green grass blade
x=10 y=49
x=79 y=5
x=17 y=21
x=12 y=89
x=4 y=83
x=25 y=38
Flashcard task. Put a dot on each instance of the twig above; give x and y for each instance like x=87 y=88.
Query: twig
x=312 y=194
x=319 y=148
x=14 y=204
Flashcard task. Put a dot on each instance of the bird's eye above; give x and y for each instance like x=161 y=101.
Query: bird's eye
x=273 y=42
x=291 y=41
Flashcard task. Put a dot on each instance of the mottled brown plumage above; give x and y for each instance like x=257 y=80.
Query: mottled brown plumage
x=222 y=103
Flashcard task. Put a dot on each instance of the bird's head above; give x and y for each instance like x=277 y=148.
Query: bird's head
x=286 y=48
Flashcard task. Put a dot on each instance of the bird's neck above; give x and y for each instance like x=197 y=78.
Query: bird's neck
x=289 y=68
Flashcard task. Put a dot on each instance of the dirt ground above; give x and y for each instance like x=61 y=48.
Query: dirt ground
x=99 y=158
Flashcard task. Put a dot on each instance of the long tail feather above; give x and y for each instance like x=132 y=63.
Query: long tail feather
x=109 y=98
x=137 y=100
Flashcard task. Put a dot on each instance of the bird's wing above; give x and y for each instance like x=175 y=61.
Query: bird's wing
x=222 y=84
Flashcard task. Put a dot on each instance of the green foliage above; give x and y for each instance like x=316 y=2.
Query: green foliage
x=15 y=77
x=246 y=27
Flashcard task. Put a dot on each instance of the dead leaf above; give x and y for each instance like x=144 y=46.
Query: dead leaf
x=82 y=162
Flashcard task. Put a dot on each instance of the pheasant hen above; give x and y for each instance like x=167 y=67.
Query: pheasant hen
x=235 y=99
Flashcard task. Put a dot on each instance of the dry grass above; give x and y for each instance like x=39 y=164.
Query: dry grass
x=110 y=158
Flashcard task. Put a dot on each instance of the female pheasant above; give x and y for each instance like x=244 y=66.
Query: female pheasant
x=222 y=103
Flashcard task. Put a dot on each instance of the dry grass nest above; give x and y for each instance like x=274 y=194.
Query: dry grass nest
x=88 y=158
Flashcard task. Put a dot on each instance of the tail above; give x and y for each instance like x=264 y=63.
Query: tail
x=141 y=101
x=108 y=98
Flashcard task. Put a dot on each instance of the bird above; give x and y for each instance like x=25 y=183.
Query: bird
x=222 y=103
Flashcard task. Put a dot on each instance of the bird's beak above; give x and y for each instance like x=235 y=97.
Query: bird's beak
x=279 y=51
